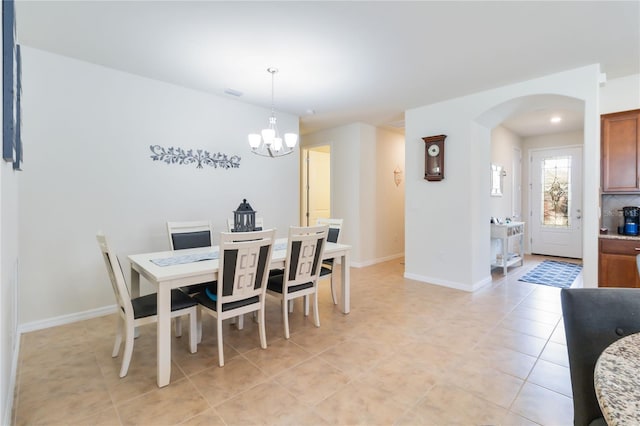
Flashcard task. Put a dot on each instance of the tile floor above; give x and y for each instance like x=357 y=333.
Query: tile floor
x=408 y=353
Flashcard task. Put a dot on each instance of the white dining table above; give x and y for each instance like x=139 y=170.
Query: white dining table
x=165 y=278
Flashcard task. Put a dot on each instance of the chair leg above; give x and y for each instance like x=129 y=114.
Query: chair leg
x=199 y=324
x=306 y=305
x=240 y=322
x=333 y=289
x=290 y=306
x=128 y=350
x=178 y=325
x=193 y=330
x=285 y=319
x=261 y=327
x=220 y=348
x=116 y=345
x=316 y=313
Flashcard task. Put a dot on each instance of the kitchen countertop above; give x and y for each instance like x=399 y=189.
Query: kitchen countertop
x=620 y=237
x=616 y=381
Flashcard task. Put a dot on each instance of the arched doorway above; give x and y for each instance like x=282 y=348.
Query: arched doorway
x=551 y=197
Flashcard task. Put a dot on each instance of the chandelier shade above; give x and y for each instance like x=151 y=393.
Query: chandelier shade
x=268 y=142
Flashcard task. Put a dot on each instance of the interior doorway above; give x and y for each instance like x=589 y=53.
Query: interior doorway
x=316 y=184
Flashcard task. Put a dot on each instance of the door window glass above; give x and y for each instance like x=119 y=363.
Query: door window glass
x=556 y=191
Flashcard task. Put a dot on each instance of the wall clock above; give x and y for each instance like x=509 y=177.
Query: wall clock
x=434 y=157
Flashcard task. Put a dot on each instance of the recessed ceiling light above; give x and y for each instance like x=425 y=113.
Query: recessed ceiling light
x=556 y=119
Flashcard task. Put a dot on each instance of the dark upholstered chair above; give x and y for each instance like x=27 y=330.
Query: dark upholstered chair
x=188 y=235
x=594 y=318
x=242 y=281
x=141 y=310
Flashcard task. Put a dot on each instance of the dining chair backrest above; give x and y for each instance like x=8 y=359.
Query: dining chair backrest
x=305 y=248
x=114 y=270
x=186 y=235
x=335 y=226
x=244 y=265
x=259 y=224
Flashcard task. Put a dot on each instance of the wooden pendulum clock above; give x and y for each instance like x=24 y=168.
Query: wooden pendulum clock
x=434 y=157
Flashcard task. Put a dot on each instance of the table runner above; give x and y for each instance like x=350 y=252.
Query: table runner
x=197 y=257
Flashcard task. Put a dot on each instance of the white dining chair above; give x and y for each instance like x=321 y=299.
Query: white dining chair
x=305 y=247
x=242 y=281
x=141 y=310
x=188 y=235
x=192 y=234
x=333 y=236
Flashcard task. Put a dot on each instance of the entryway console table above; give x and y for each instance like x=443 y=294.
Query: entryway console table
x=511 y=233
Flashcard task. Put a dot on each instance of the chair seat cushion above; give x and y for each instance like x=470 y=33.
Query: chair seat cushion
x=146 y=306
x=325 y=271
x=274 y=272
x=275 y=284
x=205 y=301
x=198 y=288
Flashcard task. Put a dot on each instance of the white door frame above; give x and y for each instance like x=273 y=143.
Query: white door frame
x=304 y=180
x=516 y=184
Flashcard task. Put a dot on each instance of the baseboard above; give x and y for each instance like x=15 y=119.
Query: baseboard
x=11 y=389
x=66 y=319
x=375 y=261
x=450 y=284
x=482 y=283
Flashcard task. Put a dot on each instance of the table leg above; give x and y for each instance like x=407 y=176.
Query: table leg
x=345 y=294
x=135 y=283
x=164 y=336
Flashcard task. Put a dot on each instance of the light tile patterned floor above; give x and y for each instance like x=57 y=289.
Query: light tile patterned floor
x=408 y=353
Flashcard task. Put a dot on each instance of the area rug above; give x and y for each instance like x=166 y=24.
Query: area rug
x=553 y=273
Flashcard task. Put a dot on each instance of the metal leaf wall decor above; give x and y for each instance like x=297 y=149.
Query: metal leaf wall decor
x=173 y=155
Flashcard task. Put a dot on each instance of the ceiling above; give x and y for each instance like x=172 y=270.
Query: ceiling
x=341 y=62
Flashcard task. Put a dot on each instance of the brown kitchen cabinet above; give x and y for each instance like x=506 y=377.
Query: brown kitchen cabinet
x=617 y=263
x=620 y=150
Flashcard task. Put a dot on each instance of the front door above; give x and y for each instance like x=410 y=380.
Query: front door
x=556 y=202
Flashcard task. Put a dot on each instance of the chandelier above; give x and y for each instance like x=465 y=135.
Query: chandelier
x=269 y=143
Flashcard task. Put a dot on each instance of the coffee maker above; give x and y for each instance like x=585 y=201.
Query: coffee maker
x=631 y=217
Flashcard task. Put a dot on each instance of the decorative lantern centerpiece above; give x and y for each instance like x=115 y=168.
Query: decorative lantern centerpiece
x=244 y=218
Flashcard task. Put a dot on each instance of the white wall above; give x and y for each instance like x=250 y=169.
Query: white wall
x=620 y=94
x=362 y=162
x=345 y=179
x=503 y=141
x=87 y=131
x=389 y=205
x=447 y=227
x=8 y=283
